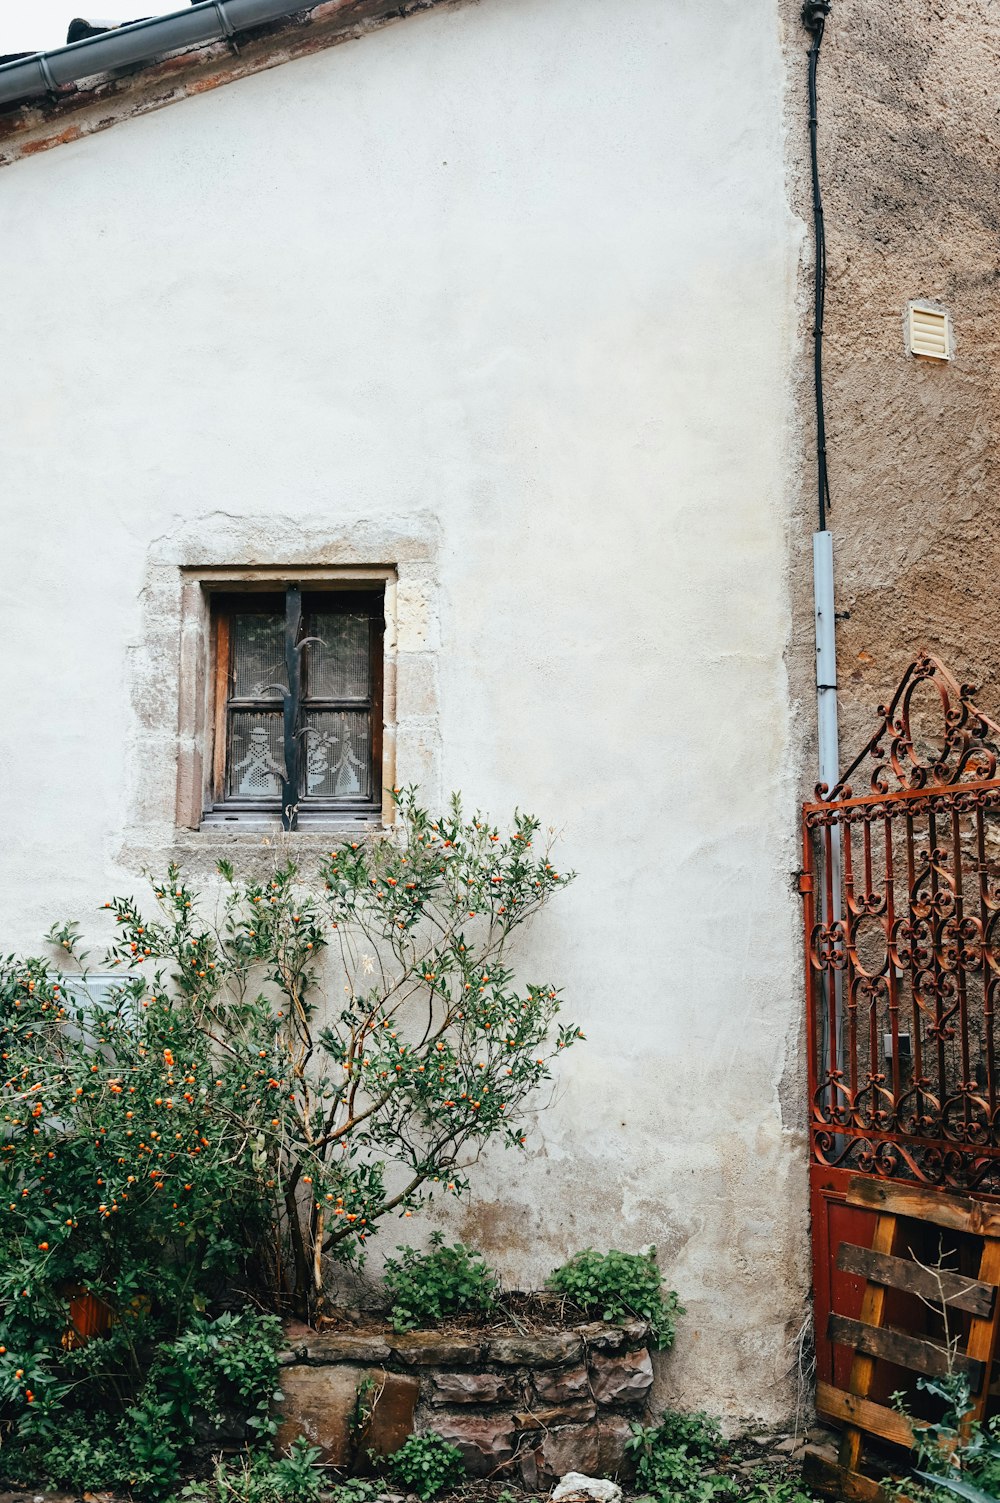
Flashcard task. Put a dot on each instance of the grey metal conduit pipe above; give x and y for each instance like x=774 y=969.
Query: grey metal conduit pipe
x=209 y=21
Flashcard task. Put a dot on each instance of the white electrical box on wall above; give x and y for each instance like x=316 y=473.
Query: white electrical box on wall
x=928 y=331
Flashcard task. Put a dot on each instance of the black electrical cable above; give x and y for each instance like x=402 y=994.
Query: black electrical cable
x=814 y=14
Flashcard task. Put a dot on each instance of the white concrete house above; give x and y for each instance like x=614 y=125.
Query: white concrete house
x=485 y=323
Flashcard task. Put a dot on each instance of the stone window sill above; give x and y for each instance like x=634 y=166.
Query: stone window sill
x=254 y=850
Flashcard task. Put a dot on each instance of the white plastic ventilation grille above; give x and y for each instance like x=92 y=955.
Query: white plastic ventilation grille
x=930 y=334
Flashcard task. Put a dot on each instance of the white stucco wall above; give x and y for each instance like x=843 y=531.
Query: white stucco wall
x=517 y=279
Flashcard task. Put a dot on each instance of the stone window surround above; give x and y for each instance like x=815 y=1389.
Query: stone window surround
x=168 y=659
x=197 y=705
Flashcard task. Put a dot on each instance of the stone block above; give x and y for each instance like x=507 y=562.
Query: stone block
x=534 y=1351
x=623 y=1379
x=417 y=686
x=558 y=1414
x=571 y=1448
x=472 y=1388
x=527 y=1463
x=486 y=1444
x=602 y=1336
x=319 y=1405
x=322 y=1348
x=414 y=624
x=392 y=1404
x=429 y=1349
x=562 y=1385
x=613 y=1430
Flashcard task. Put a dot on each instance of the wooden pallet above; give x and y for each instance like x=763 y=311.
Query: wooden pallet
x=885 y=1266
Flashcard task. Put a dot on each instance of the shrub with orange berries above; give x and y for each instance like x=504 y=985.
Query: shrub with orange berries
x=287 y=1061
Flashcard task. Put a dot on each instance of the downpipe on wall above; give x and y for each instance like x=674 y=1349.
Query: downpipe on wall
x=814 y=17
x=828 y=736
x=814 y=14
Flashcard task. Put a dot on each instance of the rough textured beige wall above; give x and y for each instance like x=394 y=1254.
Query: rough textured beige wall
x=909 y=142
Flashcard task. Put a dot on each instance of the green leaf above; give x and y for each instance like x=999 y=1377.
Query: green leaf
x=957 y=1486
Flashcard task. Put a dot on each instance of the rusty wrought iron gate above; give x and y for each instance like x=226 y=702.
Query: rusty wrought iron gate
x=901 y=888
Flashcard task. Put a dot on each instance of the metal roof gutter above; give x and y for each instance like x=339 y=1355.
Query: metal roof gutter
x=140 y=42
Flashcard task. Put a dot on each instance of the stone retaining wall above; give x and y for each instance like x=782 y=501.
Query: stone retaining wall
x=531 y=1406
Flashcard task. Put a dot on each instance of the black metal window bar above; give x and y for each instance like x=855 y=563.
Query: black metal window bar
x=298 y=726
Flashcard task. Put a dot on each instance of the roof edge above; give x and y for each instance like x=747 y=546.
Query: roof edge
x=162 y=64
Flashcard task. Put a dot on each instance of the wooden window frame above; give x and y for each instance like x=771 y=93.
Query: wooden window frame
x=297 y=600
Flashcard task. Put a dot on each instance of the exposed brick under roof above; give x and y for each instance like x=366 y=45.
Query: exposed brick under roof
x=76 y=112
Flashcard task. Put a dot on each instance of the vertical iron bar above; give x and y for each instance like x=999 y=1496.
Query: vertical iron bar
x=814 y=980
x=963 y=1008
x=935 y=964
x=290 y=783
x=846 y=851
x=984 y=919
x=874 y=1052
x=867 y=836
x=916 y=1047
x=830 y=970
x=890 y=954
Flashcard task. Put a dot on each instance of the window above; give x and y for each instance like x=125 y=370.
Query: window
x=298 y=706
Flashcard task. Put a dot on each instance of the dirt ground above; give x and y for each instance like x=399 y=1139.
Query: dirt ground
x=749 y=1461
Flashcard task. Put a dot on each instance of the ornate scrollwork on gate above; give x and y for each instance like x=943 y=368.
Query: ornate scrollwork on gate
x=968 y=747
x=903 y=944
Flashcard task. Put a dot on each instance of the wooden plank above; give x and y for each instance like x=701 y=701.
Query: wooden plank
x=982 y=1343
x=918 y=1355
x=875 y=1419
x=954 y=1211
x=824 y=1476
x=376 y=674
x=220 y=692
x=863 y=1365
x=834 y=1222
x=932 y=1284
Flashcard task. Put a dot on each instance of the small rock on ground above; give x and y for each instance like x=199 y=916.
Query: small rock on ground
x=574 y=1485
